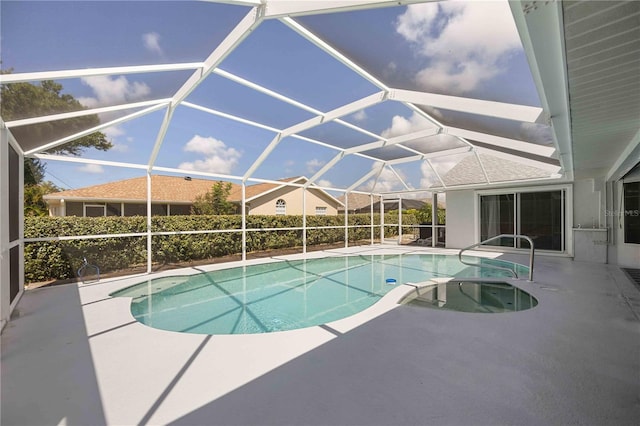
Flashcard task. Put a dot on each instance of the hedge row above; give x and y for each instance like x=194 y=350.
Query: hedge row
x=61 y=259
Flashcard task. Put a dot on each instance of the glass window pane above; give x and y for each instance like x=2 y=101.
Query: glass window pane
x=114 y=209
x=94 y=210
x=632 y=212
x=74 y=209
x=180 y=210
x=541 y=219
x=496 y=217
x=131 y=209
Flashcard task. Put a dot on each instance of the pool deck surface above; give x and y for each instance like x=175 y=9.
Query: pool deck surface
x=72 y=355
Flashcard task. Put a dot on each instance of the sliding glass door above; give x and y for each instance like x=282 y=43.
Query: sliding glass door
x=538 y=215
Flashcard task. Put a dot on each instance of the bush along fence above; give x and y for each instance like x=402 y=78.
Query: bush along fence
x=221 y=236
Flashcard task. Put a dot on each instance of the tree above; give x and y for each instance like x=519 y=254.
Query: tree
x=25 y=100
x=34 y=204
x=214 y=201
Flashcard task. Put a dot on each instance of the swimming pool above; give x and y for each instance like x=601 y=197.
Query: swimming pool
x=286 y=295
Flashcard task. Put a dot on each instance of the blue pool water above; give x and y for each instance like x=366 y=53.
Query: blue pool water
x=286 y=295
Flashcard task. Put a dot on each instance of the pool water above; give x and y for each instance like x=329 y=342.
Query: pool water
x=286 y=295
x=466 y=296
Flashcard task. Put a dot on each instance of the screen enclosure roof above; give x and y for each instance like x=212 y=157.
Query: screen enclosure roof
x=366 y=96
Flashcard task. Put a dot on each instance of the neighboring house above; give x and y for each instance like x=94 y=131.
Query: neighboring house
x=357 y=203
x=172 y=195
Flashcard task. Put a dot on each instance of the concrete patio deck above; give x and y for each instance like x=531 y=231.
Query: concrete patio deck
x=73 y=355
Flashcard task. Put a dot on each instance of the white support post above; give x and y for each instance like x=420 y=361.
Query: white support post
x=244 y=220
x=5 y=272
x=399 y=220
x=149 y=240
x=372 y=226
x=346 y=222
x=381 y=220
x=304 y=219
x=434 y=219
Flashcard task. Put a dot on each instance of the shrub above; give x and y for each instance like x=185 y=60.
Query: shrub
x=61 y=259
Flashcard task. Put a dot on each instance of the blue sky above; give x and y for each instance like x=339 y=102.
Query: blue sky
x=459 y=48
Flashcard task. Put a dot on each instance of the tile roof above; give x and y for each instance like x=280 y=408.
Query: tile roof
x=163 y=188
x=357 y=201
x=257 y=189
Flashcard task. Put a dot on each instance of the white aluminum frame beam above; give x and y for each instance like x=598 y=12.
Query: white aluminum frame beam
x=376 y=170
x=280 y=8
x=347 y=109
x=395 y=172
x=333 y=52
x=80 y=160
x=542 y=36
x=250 y=22
x=230 y=117
x=516 y=112
x=84 y=112
x=552 y=168
x=95 y=129
x=93 y=72
x=241 y=31
x=393 y=141
x=513 y=144
x=445 y=153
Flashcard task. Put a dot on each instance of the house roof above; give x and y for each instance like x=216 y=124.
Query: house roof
x=168 y=189
x=356 y=201
x=469 y=171
x=163 y=188
x=256 y=190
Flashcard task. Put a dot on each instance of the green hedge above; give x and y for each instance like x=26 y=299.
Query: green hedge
x=61 y=259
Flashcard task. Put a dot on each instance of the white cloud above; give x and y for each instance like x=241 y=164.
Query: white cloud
x=428 y=176
x=387 y=181
x=113 y=132
x=402 y=126
x=360 y=116
x=218 y=157
x=110 y=90
x=91 y=168
x=325 y=183
x=464 y=43
x=152 y=42
x=119 y=147
x=314 y=165
x=536 y=133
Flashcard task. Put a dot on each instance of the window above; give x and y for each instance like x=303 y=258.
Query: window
x=539 y=215
x=632 y=212
x=321 y=211
x=281 y=207
x=94 y=210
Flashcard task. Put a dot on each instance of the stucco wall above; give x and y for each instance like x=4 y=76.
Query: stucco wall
x=460 y=219
x=267 y=203
x=588 y=203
